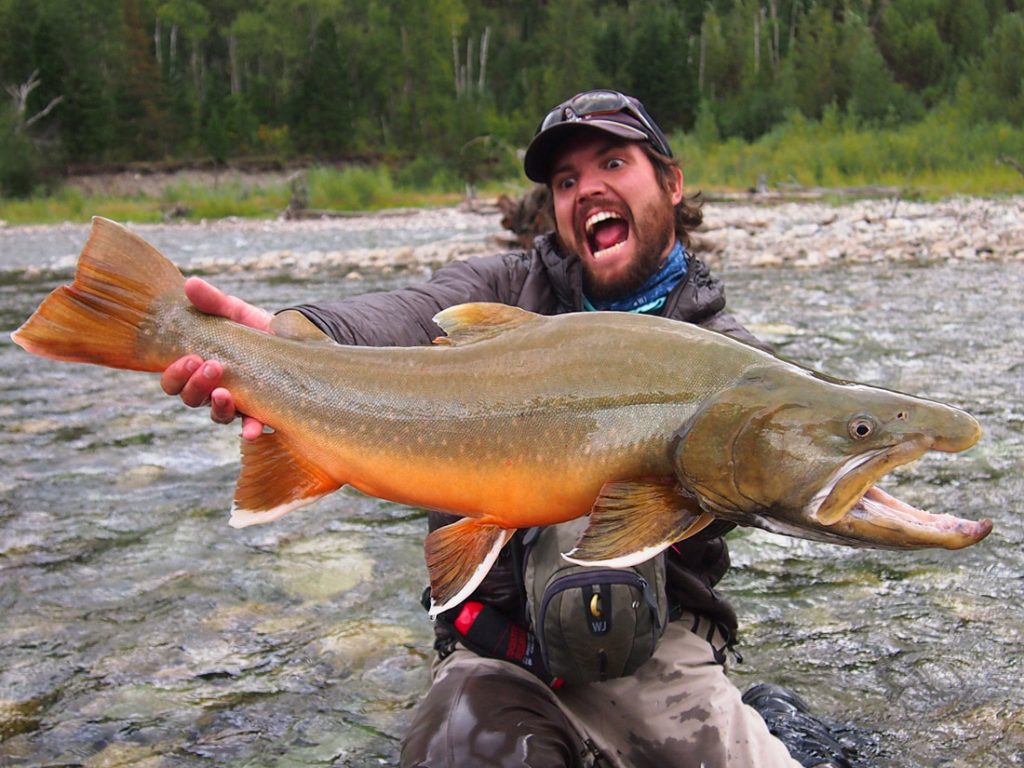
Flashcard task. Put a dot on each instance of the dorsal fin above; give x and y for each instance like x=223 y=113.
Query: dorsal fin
x=469 y=323
x=292 y=324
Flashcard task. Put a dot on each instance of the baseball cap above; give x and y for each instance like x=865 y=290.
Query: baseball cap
x=610 y=111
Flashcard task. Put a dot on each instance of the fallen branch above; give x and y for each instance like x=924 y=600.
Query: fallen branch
x=1016 y=165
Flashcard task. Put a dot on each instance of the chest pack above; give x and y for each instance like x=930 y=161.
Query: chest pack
x=591 y=623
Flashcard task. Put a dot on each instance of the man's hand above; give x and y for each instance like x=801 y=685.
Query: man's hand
x=197 y=381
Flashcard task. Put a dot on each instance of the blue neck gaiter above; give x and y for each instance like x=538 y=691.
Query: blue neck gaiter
x=652 y=294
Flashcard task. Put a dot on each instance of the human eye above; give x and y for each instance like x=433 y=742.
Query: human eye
x=565 y=182
x=614 y=162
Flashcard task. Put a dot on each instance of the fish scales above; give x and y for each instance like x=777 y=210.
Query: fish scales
x=652 y=427
x=388 y=418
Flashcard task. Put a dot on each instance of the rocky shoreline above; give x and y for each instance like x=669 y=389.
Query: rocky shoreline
x=785 y=234
x=803 y=234
x=739 y=233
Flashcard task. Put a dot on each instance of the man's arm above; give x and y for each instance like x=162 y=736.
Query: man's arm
x=404 y=317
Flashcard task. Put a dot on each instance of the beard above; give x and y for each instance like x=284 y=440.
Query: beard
x=652 y=229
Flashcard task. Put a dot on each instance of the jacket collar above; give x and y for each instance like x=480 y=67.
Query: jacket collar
x=698 y=296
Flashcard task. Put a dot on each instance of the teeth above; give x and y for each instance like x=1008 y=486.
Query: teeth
x=593 y=221
x=597 y=218
x=610 y=250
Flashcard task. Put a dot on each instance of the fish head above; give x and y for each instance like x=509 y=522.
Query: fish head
x=796 y=452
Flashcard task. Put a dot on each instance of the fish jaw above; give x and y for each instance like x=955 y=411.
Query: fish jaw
x=800 y=454
x=845 y=488
x=853 y=507
x=878 y=518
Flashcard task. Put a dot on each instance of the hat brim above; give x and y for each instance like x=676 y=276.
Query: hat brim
x=539 y=155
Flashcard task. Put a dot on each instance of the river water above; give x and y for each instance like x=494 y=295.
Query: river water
x=138 y=629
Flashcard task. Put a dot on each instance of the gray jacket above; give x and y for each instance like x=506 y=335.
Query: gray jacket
x=545 y=281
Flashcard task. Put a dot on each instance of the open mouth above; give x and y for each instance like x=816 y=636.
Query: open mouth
x=854 y=478
x=851 y=504
x=606 y=233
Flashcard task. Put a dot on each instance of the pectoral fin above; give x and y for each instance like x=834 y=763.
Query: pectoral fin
x=275 y=480
x=633 y=521
x=459 y=556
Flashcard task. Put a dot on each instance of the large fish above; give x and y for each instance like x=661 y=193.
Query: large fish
x=654 y=427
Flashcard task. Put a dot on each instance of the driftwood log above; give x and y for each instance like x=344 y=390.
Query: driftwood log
x=529 y=216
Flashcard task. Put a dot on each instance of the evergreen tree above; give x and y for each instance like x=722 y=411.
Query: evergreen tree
x=139 y=92
x=913 y=47
x=993 y=88
x=661 y=71
x=322 y=99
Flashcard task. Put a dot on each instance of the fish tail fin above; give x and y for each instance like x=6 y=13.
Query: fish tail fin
x=631 y=522
x=459 y=556
x=101 y=318
x=276 y=480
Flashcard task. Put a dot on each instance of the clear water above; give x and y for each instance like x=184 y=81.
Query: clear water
x=138 y=629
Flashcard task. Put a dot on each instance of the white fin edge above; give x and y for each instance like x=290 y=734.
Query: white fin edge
x=626 y=561
x=474 y=581
x=242 y=518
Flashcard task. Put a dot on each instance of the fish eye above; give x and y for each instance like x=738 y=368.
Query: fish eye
x=861 y=427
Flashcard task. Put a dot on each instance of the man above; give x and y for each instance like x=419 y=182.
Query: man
x=623 y=226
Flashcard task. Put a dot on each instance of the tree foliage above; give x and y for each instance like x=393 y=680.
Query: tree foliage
x=450 y=79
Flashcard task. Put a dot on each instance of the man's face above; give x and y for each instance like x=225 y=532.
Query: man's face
x=612 y=213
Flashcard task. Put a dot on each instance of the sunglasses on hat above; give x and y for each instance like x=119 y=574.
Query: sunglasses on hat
x=591 y=105
x=606 y=110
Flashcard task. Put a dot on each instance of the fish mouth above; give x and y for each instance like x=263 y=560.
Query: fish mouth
x=882 y=512
x=851 y=505
x=606 y=232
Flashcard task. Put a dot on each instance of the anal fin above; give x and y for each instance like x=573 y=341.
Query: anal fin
x=633 y=521
x=275 y=480
x=459 y=556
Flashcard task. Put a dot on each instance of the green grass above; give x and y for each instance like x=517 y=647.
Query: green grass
x=350 y=189
x=938 y=157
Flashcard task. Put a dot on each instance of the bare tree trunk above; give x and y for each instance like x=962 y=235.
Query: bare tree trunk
x=172 y=49
x=20 y=94
x=773 y=5
x=703 y=59
x=236 y=75
x=197 y=70
x=157 y=34
x=757 y=40
x=455 y=64
x=484 y=40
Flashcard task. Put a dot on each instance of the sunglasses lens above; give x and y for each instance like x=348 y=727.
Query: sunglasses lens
x=594 y=102
x=585 y=105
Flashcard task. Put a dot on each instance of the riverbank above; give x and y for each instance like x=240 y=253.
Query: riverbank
x=752 y=231
x=865 y=231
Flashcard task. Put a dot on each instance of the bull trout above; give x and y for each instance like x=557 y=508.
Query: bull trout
x=651 y=426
